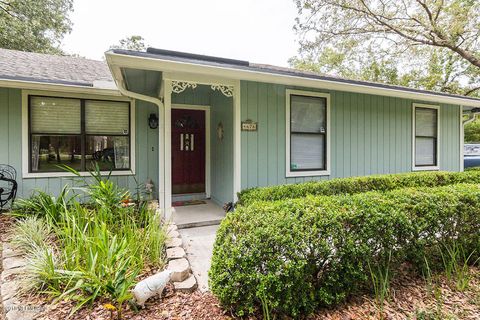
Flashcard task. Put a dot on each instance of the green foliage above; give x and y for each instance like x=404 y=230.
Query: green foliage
x=41 y=204
x=34 y=25
x=430 y=45
x=31 y=233
x=301 y=254
x=86 y=251
x=472 y=131
x=357 y=185
x=381 y=276
x=136 y=43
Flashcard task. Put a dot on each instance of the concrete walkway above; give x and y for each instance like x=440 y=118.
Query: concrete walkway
x=198 y=244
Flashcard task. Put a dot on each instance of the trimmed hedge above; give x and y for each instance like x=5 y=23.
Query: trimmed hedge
x=300 y=254
x=357 y=185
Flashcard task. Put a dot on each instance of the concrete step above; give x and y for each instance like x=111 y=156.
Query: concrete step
x=180 y=269
x=176 y=253
x=188 y=285
x=199 y=224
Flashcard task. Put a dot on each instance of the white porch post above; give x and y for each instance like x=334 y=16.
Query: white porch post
x=161 y=152
x=167 y=160
x=237 y=144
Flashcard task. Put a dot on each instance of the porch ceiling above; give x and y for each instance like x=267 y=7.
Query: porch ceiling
x=145 y=82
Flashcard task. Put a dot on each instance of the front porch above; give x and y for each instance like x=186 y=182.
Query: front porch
x=198 y=135
x=197 y=215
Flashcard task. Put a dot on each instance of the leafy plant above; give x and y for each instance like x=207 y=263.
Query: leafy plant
x=315 y=251
x=380 y=276
x=95 y=249
x=31 y=233
x=44 y=205
x=456 y=264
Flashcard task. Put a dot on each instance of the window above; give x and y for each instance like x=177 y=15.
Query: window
x=307 y=133
x=426 y=131
x=77 y=133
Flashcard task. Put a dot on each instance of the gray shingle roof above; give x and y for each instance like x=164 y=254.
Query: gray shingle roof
x=39 y=67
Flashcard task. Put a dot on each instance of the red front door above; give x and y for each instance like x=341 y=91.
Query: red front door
x=188 y=151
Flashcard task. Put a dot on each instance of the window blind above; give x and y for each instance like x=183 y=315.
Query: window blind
x=307 y=151
x=55 y=115
x=106 y=117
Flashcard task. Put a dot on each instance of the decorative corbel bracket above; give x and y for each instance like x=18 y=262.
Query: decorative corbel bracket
x=227 y=91
x=180 y=86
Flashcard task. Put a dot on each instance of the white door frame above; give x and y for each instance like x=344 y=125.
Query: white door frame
x=165 y=153
x=206 y=109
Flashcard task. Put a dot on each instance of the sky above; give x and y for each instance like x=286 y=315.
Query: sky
x=255 y=30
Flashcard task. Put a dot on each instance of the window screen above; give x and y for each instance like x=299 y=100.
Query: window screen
x=426 y=129
x=307 y=133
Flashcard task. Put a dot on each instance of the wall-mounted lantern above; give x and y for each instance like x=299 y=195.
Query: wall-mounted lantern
x=153 y=121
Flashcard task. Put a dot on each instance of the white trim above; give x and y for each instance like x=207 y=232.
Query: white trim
x=237 y=143
x=198 y=78
x=426 y=168
x=25 y=147
x=36 y=85
x=146 y=63
x=167 y=144
x=288 y=172
x=208 y=186
x=462 y=141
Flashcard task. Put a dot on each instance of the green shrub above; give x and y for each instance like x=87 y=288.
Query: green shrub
x=300 y=254
x=357 y=185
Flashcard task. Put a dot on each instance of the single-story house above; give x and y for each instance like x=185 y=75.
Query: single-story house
x=203 y=126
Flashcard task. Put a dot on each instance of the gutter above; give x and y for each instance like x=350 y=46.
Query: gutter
x=180 y=67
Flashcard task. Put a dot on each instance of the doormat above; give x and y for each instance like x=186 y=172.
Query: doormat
x=187 y=203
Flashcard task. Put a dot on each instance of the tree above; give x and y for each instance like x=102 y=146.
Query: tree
x=34 y=25
x=136 y=43
x=428 y=44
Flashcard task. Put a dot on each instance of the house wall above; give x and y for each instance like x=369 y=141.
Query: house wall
x=146 y=147
x=369 y=135
x=221 y=153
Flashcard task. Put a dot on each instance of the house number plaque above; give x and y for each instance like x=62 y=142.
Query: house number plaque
x=249 y=125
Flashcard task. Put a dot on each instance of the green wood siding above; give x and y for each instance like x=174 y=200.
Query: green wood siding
x=369 y=135
x=146 y=147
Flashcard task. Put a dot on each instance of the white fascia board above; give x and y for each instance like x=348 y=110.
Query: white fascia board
x=57 y=87
x=126 y=61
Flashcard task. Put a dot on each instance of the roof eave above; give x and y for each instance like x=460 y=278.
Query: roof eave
x=158 y=64
x=58 y=87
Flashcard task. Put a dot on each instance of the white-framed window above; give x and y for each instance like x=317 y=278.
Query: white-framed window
x=307 y=133
x=76 y=130
x=426 y=136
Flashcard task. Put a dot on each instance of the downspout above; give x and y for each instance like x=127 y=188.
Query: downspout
x=158 y=102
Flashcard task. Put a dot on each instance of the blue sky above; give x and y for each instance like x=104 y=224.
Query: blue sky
x=258 y=31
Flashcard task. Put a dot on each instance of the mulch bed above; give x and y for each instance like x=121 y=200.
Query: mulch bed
x=410 y=297
x=5 y=224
